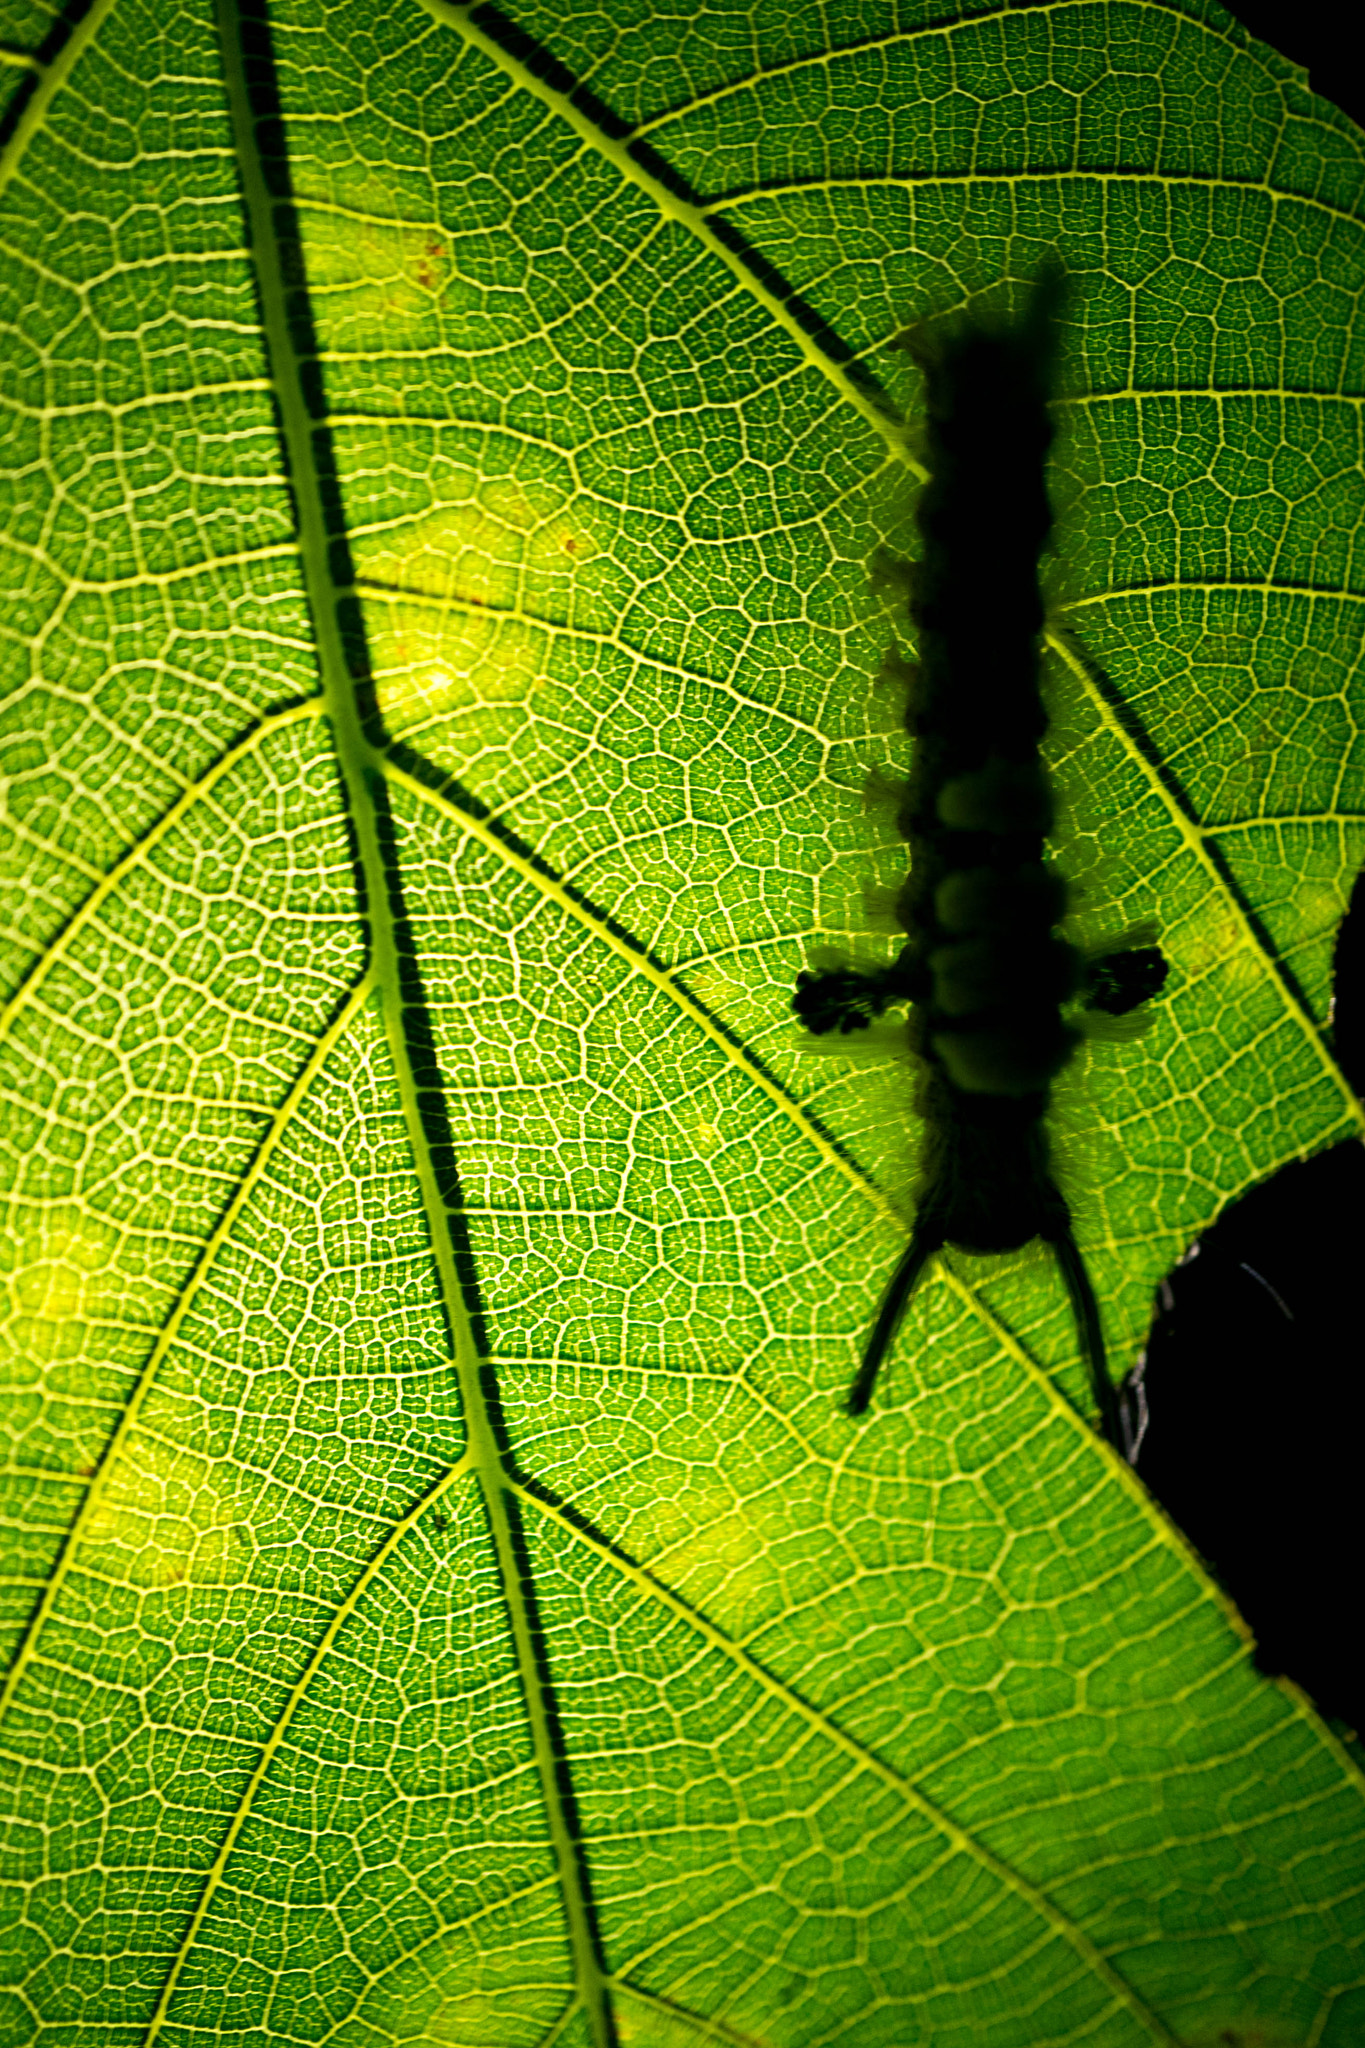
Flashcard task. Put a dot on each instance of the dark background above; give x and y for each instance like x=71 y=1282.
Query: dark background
x=1324 y=37
x=1249 y=1403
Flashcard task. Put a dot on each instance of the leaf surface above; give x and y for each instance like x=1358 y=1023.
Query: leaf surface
x=445 y=1602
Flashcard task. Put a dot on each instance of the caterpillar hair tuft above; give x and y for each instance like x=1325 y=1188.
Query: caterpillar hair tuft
x=999 y=1000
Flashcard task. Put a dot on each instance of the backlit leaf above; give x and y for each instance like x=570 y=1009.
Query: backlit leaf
x=445 y=1602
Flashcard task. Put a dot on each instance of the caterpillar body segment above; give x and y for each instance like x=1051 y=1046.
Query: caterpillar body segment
x=998 y=999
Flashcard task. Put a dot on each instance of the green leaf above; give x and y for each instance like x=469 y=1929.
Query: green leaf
x=445 y=1602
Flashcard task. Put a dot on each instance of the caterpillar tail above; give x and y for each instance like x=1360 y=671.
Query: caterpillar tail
x=1085 y=1309
x=925 y=1240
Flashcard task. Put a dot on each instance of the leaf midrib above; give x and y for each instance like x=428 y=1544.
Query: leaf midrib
x=957 y=1838
x=363 y=762
x=272 y=237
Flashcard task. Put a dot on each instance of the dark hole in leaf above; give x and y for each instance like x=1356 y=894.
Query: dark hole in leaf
x=1246 y=1413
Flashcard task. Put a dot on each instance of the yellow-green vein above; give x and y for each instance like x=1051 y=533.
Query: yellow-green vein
x=169 y=1331
x=733 y=1052
x=955 y=1837
x=639 y=963
x=266 y=219
x=51 y=78
x=192 y=794
x=696 y=220
x=1196 y=843
x=581 y=636
x=986 y=22
x=298 y=1692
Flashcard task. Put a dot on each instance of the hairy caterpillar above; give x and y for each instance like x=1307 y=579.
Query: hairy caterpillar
x=997 y=996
